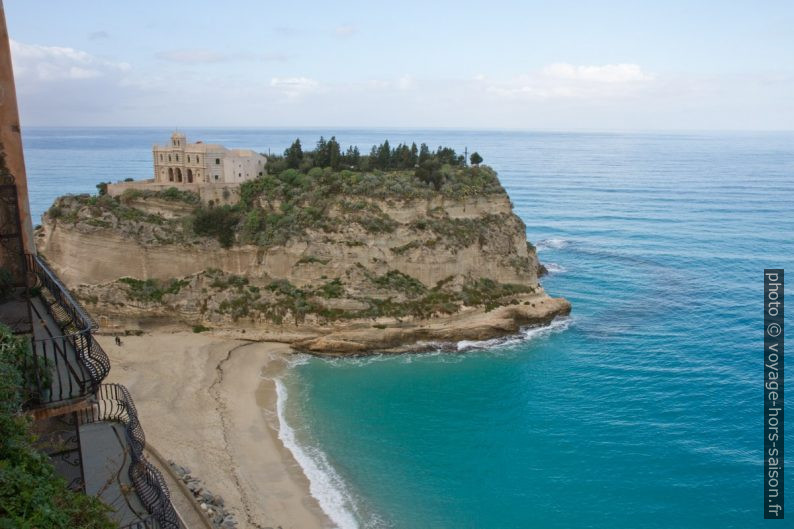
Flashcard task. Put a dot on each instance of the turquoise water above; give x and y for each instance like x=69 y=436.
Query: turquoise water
x=641 y=410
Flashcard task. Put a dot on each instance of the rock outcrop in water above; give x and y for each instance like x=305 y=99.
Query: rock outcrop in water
x=330 y=261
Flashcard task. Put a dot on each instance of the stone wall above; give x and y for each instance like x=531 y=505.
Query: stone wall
x=218 y=193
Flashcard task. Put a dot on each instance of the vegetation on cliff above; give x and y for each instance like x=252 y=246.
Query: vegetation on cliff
x=105 y=212
x=360 y=294
x=31 y=493
x=299 y=193
x=301 y=187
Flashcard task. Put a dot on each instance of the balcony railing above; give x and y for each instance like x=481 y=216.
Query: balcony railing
x=67 y=362
x=114 y=404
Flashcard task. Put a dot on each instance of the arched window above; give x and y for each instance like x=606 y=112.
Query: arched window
x=198 y=160
x=217 y=161
x=169 y=157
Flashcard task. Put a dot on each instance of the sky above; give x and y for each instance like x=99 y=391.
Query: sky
x=554 y=65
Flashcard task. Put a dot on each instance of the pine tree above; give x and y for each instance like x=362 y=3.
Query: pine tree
x=384 y=155
x=424 y=154
x=322 y=155
x=294 y=154
x=334 y=153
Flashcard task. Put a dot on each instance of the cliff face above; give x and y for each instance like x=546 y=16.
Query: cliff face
x=480 y=237
x=386 y=260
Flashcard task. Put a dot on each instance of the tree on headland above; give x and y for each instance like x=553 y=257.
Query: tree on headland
x=384 y=155
x=424 y=153
x=352 y=158
x=334 y=153
x=294 y=155
x=432 y=167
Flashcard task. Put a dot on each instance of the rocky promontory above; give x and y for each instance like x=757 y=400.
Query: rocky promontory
x=332 y=261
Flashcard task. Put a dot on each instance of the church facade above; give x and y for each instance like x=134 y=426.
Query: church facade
x=186 y=163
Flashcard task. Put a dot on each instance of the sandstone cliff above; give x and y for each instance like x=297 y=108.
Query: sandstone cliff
x=339 y=268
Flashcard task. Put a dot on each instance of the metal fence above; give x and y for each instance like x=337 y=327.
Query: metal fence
x=113 y=403
x=68 y=362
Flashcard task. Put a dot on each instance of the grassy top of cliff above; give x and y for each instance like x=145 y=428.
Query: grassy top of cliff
x=324 y=189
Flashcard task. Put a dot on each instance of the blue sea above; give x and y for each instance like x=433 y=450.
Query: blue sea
x=641 y=410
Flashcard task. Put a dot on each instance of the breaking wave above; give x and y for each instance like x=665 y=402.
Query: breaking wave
x=554 y=268
x=325 y=485
x=554 y=243
x=558 y=324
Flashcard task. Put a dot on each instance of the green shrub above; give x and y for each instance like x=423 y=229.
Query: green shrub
x=55 y=212
x=176 y=195
x=219 y=222
x=151 y=290
x=395 y=280
x=489 y=293
x=312 y=259
x=332 y=289
x=200 y=328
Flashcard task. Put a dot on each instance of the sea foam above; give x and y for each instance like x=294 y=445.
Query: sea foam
x=554 y=268
x=554 y=243
x=325 y=485
x=558 y=324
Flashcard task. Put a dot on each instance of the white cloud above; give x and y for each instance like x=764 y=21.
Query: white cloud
x=205 y=56
x=99 y=35
x=345 y=31
x=609 y=73
x=191 y=56
x=272 y=57
x=55 y=63
x=563 y=80
x=294 y=86
x=406 y=82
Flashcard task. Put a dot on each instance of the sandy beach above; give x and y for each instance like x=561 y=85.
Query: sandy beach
x=209 y=404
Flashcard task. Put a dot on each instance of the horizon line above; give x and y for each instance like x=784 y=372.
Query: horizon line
x=413 y=128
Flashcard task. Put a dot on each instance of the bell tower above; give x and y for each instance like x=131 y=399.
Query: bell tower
x=178 y=140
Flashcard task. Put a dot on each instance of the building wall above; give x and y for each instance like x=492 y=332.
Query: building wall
x=11 y=140
x=182 y=163
x=238 y=168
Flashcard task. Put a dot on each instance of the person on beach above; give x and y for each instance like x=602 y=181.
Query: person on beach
x=118 y=341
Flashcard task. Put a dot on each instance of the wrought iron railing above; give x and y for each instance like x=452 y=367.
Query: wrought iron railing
x=113 y=403
x=66 y=363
